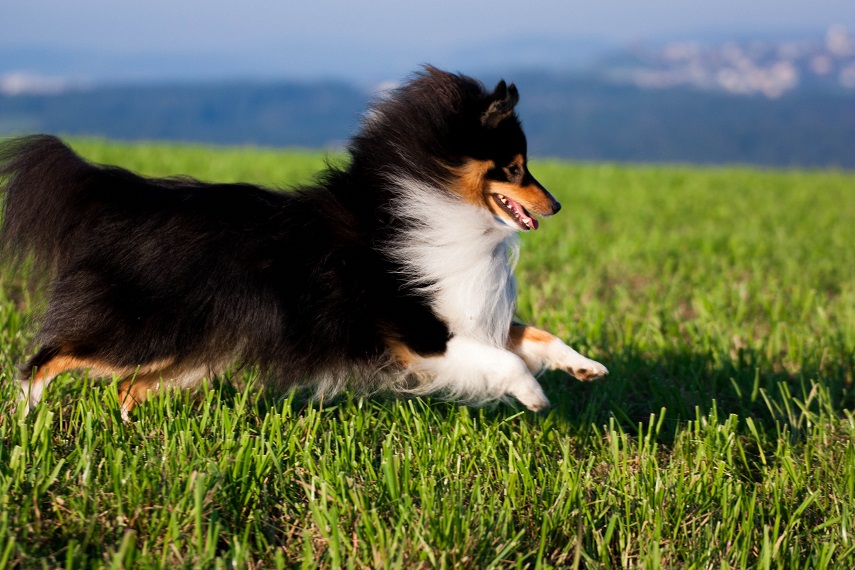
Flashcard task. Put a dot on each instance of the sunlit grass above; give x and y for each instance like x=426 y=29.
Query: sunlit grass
x=722 y=300
x=256 y=165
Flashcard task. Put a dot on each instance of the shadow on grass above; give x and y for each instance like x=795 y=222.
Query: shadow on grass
x=689 y=384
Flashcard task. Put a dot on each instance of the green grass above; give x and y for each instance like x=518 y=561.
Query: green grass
x=722 y=300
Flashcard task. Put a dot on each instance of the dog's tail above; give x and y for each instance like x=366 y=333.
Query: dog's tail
x=47 y=202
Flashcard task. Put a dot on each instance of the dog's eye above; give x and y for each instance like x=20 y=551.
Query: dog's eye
x=513 y=171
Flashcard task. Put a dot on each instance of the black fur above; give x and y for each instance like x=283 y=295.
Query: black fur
x=295 y=283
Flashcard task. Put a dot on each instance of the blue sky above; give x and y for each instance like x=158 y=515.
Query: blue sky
x=326 y=38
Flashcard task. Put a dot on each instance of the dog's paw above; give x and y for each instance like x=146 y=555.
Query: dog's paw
x=555 y=355
x=590 y=370
x=579 y=366
x=585 y=369
x=527 y=390
x=530 y=395
x=23 y=396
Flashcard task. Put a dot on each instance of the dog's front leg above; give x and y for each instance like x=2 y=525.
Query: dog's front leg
x=474 y=371
x=541 y=350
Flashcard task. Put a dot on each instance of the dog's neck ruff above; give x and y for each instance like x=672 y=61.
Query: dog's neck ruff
x=461 y=257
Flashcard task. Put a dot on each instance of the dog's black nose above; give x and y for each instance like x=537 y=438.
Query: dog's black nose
x=556 y=206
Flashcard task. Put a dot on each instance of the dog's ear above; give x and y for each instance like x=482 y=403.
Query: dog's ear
x=502 y=103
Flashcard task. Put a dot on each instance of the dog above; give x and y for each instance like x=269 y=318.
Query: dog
x=394 y=272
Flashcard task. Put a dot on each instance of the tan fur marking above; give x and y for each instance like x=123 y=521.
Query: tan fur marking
x=520 y=341
x=57 y=365
x=129 y=393
x=520 y=333
x=63 y=363
x=134 y=389
x=401 y=353
x=471 y=180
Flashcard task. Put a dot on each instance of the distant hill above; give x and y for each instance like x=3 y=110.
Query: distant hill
x=566 y=115
x=305 y=114
x=590 y=119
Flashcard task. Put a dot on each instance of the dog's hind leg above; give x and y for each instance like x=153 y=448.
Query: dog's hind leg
x=135 y=389
x=541 y=350
x=48 y=363
x=51 y=361
x=34 y=381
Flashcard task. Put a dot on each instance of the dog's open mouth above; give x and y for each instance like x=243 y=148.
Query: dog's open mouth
x=525 y=220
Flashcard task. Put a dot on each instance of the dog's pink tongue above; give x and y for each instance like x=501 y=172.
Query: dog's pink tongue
x=532 y=222
x=522 y=214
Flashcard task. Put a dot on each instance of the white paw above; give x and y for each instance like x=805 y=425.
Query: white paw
x=29 y=395
x=581 y=367
x=529 y=393
x=588 y=370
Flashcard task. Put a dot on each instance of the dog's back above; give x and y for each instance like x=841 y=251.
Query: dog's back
x=180 y=278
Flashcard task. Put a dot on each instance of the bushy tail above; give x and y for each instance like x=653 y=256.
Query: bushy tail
x=46 y=187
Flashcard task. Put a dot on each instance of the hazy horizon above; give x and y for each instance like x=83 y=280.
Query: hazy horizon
x=99 y=40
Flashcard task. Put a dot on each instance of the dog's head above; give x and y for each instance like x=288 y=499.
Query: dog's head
x=449 y=130
x=493 y=171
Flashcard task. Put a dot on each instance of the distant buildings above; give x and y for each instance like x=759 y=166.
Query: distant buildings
x=19 y=83
x=768 y=68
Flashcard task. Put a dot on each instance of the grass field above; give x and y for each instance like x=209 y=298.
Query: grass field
x=722 y=300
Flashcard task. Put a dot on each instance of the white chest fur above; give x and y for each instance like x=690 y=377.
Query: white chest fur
x=461 y=257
